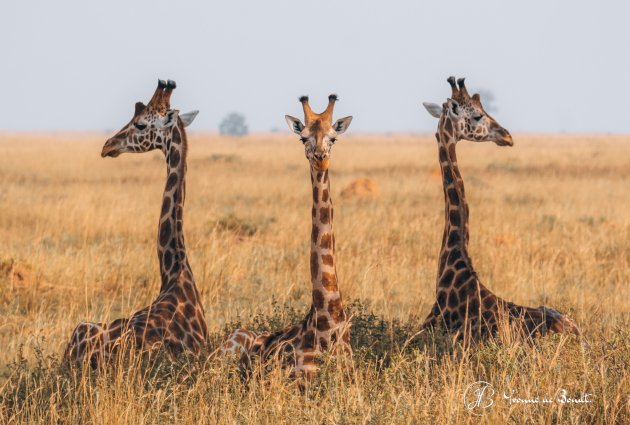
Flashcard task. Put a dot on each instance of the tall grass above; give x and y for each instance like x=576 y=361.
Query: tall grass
x=550 y=223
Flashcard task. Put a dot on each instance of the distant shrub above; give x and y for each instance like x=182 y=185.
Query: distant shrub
x=233 y=125
x=220 y=157
x=506 y=167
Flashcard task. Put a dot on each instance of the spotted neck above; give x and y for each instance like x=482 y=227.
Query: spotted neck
x=171 y=248
x=455 y=237
x=326 y=296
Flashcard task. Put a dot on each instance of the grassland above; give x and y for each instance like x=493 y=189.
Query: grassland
x=550 y=223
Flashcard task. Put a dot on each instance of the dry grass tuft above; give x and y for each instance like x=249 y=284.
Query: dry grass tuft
x=362 y=189
x=239 y=226
x=14 y=272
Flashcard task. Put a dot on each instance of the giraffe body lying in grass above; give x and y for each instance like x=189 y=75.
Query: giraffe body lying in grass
x=175 y=321
x=325 y=327
x=463 y=304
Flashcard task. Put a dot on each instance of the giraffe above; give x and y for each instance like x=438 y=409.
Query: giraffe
x=463 y=304
x=325 y=327
x=175 y=320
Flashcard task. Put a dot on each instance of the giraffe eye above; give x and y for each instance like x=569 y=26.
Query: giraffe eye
x=478 y=118
x=333 y=140
x=303 y=139
x=140 y=126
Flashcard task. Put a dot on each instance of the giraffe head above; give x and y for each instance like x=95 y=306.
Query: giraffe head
x=151 y=125
x=469 y=119
x=319 y=133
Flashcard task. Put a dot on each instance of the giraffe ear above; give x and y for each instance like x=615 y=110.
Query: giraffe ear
x=170 y=118
x=434 y=109
x=295 y=124
x=342 y=124
x=188 y=117
x=139 y=109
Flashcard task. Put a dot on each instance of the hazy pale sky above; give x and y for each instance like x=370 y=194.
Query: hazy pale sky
x=552 y=65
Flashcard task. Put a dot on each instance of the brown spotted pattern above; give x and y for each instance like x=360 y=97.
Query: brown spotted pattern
x=325 y=327
x=463 y=304
x=175 y=321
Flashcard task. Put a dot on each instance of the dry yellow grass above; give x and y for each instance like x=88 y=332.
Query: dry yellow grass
x=550 y=223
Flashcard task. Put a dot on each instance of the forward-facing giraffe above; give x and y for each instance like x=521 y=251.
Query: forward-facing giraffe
x=325 y=327
x=175 y=321
x=463 y=304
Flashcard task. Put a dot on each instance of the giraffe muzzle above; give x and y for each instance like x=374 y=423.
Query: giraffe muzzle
x=111 y=149
x=321 y=165
x=505 y=140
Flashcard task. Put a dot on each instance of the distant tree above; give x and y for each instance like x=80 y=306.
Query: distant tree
x=233 y=125
x=487 y=100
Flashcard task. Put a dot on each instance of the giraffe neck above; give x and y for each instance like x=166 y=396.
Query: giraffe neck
x=327 y=302
x=171 y=248
x=455 y=238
